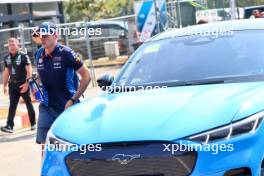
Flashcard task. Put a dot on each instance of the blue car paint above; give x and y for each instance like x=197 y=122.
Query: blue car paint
x=248 y=152
x=133 y=116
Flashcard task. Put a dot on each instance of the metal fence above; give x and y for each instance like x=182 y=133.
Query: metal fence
x=181 y=13
x=23 y=34
x=119 y=31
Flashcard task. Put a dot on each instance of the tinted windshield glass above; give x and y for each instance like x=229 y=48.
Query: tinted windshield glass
x=196 y=58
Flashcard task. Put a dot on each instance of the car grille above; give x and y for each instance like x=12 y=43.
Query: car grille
x=148 y=159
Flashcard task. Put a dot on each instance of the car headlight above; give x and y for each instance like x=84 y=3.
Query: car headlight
x=57 y=144
x=247 y=125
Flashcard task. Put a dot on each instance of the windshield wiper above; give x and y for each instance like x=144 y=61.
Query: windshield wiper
x=206 y=81
x=188 y=83
x=191 y=83
x=118 y=89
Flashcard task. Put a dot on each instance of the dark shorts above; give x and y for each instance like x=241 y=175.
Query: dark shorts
x=47 y=116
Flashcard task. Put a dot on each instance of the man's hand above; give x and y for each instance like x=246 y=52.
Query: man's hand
x=24 y=88
x=5 y=90
x=68 y=104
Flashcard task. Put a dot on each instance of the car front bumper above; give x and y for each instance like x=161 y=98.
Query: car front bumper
x=248 y=152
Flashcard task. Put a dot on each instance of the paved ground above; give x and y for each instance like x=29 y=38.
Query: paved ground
x=19 y=155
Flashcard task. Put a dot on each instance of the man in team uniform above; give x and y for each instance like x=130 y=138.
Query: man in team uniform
x=57 y=66
x=16 y=75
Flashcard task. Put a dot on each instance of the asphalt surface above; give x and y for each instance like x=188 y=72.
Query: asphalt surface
x=19 y=154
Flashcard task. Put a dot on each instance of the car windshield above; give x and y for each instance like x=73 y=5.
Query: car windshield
x=235 y=58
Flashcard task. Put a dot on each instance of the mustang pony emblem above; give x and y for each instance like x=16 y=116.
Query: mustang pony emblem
x=124 y=159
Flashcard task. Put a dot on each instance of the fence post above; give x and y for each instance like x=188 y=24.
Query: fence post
x=22 y=38
x=156 y=16
x=179 y=20
x=89 y=51
x=232 y=4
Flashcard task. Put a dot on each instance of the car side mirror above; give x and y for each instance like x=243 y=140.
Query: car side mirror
x=105 y=81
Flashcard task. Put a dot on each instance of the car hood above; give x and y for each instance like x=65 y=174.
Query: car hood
x=164 y=114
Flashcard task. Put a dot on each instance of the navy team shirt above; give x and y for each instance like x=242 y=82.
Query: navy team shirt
x=57 y=74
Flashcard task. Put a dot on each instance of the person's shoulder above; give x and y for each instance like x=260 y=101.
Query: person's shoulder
x=23 y=54
x=39 y=52
x=41 y=49
x=66 y=50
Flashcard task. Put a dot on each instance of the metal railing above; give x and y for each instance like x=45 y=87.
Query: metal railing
x=90 y=47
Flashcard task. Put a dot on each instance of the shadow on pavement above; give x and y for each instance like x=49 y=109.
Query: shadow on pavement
x=4 y=138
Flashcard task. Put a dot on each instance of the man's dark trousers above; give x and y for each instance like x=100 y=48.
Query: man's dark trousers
x=14 y=96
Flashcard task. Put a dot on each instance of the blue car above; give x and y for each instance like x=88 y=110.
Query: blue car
x=189 y=101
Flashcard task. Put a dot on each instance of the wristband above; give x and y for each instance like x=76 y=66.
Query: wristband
x=73 y=100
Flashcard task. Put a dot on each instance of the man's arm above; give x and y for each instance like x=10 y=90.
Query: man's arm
x=84 y=82
x=29 y=71
x=24 y=87
x=6 y=75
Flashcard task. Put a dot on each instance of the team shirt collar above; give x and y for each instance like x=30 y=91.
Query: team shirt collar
x=45 y=55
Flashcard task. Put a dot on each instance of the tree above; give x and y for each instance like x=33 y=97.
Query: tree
x=97 y=9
